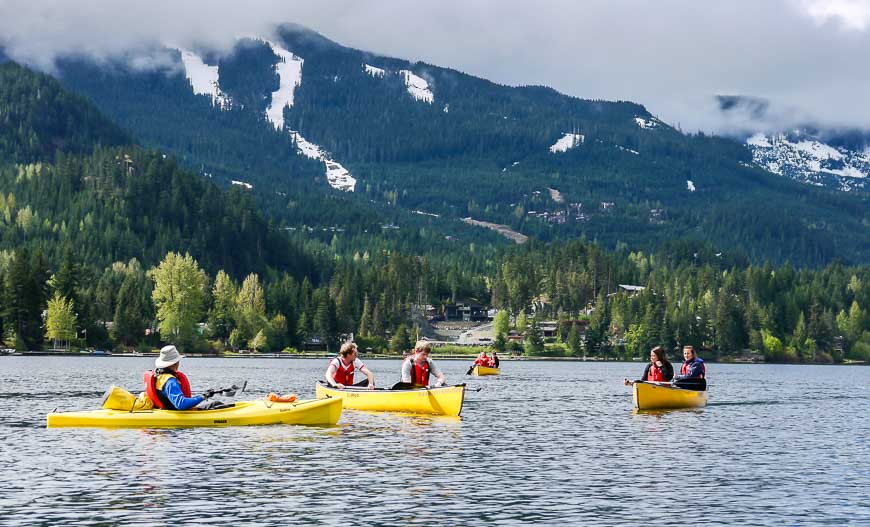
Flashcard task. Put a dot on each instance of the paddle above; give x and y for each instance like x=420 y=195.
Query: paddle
x=229 y=392
x=470 y=369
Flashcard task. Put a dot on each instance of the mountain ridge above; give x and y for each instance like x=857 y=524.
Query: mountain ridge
x=478 y=150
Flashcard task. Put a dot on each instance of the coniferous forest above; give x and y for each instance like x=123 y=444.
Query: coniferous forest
x=106 y=241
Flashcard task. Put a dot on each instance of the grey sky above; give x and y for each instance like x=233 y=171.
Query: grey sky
x=809 y=57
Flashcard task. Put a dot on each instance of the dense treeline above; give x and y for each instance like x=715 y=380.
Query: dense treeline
x=705 y=300
x=784 y=313
x=118 y=204
x=38 y=118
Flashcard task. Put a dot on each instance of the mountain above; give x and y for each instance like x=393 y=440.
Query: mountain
x=807 y=159
x=330 y=137
x=70 y=177
x=805 y=152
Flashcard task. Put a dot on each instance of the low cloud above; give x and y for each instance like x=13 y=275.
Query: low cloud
x=807 y=57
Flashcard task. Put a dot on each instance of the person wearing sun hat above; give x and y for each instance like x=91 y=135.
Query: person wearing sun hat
x=167 y=387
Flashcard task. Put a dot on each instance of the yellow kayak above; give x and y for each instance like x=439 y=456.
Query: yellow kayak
x=485 y=370
x=261 y=412
x=446 y=400
x=651 y=396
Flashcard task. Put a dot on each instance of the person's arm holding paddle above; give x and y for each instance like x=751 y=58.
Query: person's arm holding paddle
x=642 y=377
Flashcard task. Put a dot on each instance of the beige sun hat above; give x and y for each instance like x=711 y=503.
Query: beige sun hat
x=168 y=356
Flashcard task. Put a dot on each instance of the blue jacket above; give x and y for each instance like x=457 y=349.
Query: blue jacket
x=172 y=391
x=696 y=370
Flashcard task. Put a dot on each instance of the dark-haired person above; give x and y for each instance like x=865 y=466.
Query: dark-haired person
x=659 y=369
x=693 y=373
x=168 y=388
x=418 y=368
x=341 y=369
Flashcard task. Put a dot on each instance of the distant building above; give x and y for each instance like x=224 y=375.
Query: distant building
x=631 y=290
x=466 y=311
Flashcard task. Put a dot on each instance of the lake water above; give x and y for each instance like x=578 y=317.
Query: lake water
x=546 y=443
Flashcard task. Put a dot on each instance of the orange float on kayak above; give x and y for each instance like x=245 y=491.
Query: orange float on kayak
x=275 y=398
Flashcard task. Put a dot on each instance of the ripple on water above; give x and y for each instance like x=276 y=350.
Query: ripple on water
x=546 y=443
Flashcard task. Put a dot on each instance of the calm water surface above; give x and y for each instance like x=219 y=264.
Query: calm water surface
x=546 y=443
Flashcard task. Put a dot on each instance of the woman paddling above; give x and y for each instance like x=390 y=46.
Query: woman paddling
x=658 y=369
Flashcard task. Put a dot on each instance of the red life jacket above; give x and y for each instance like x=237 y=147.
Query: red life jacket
x=343 y=374
x=685 y=369
x=156 y=396
x=419 y=374
x=655 y=374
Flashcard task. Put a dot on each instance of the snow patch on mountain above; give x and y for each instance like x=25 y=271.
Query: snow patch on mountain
x=204 y=79
x=373 y=71
x=417 y=87
x=808 y=160
x=289 y=72
x=337 y=176
x=635 y=152
x=568 y=140
x=646 y=124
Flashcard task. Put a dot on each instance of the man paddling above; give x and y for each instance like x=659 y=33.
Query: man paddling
x=693 y=374
x=341 y=369
x=417 y=368
x=168 y=388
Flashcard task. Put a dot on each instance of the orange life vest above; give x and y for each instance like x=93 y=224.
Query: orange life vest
x=156 y=394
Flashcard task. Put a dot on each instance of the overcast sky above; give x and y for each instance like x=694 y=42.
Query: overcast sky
x=811 y=58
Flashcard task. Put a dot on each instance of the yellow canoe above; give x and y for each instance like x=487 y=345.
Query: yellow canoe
x=485 y=370
x=262 y=412
x=652 y=396
x=446 y=400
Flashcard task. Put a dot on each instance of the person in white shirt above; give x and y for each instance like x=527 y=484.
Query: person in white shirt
x=417 y=368
x=341 y=369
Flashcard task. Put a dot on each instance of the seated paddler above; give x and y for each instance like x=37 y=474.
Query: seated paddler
x=693 y=373
x=482 y=359
x=167 y=387
x=418 y=368
x=658 y=369
x=341 y=369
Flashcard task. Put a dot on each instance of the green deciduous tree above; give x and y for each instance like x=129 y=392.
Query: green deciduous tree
x=60 y=321
x=179 y=295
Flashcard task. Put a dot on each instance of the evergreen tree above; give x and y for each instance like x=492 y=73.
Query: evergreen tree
x=401 y=341
x=221 y=317
x=574 y=347
x=132 y=310
x=534 y=340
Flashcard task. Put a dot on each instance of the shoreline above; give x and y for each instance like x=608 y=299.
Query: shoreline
x=379 y=356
